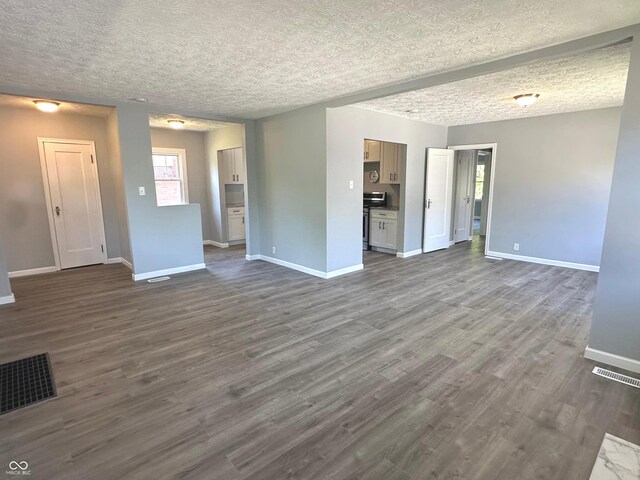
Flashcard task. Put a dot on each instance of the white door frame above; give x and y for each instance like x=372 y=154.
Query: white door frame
x=47 y=193
x=494 y=156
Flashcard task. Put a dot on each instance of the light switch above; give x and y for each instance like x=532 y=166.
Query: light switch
x=350 y=184
x=141 y=191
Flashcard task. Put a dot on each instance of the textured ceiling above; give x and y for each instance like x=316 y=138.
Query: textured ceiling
x=65 y=107
x=193 y=124
x=592 y=80
x=251 y=58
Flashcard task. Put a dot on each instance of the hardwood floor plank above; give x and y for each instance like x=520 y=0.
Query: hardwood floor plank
x=446 y=365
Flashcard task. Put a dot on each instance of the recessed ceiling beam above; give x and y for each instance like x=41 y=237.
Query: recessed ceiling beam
x=566 y=49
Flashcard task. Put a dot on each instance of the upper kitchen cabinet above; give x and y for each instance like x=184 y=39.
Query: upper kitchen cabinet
x=231 y=164
x=390 y=163
x=372 y=151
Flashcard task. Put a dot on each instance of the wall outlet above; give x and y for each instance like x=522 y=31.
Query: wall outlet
x=350 y=184
x=516 y=246
x=141 y=191
x=273 y=250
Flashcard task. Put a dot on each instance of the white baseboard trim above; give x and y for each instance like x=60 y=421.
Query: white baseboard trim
x=7 y=299
x=544 y=261
x=32 y=271
x=167 y=271
x=293 y=266
x=121 y=260
x=215 y=244
x=612 y=359
x=408 y=254
x=344 y=271
x=452 y=242
x=303 y=269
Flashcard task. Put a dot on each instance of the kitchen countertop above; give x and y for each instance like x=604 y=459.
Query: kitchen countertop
x=393 y=209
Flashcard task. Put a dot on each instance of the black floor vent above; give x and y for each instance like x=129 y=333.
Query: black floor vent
x=25 y=382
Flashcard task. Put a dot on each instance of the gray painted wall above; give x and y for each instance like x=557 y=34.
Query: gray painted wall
x=5 y=286
x=291 y=155
x=118 y=184
x=616 y=319
x=219 y=139
x=161 y=237
x=347 y=127
x=23 y=211
x=552 y=182
x=194 y=145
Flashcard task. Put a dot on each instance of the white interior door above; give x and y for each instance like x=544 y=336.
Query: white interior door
x=465 y=168
x=75 y=203
x=438 y=194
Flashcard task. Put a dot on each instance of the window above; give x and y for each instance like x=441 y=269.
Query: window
x=170 y=174
x=479 y=181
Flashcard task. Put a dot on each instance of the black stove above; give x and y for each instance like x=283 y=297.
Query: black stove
x=370 y=199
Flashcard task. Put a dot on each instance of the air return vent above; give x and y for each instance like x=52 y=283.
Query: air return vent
x=634 y=382
x=158 y=279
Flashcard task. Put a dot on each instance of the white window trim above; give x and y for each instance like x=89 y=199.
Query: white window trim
x=182 y=155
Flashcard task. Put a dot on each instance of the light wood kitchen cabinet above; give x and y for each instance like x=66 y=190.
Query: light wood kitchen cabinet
x=372 y=151
x=383 y=229
x=235 y=224
x=231 y=165
x=390 y=163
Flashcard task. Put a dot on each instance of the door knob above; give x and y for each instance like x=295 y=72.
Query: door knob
x=58 y=211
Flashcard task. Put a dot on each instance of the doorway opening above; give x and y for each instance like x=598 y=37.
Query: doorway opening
x=203 y=161
x=384 y=165
x=474 y=173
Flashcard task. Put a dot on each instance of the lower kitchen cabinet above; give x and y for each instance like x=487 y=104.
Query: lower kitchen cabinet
x=235 y=224
x=383 y=229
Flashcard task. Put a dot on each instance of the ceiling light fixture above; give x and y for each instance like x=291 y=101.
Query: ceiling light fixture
x=175 y=123
x=413 y=110
x=526 y=99
x=46 y=105
x=140 y=99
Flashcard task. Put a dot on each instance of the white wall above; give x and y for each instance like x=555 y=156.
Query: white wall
x=552 y=182
x=347 y=127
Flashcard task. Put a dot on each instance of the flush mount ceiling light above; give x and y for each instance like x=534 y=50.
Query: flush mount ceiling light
x=46 y=105
x=526 y=99
x=175 y=123
x=413 y=110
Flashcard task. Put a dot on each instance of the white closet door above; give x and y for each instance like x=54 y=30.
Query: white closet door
x=75 y=201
